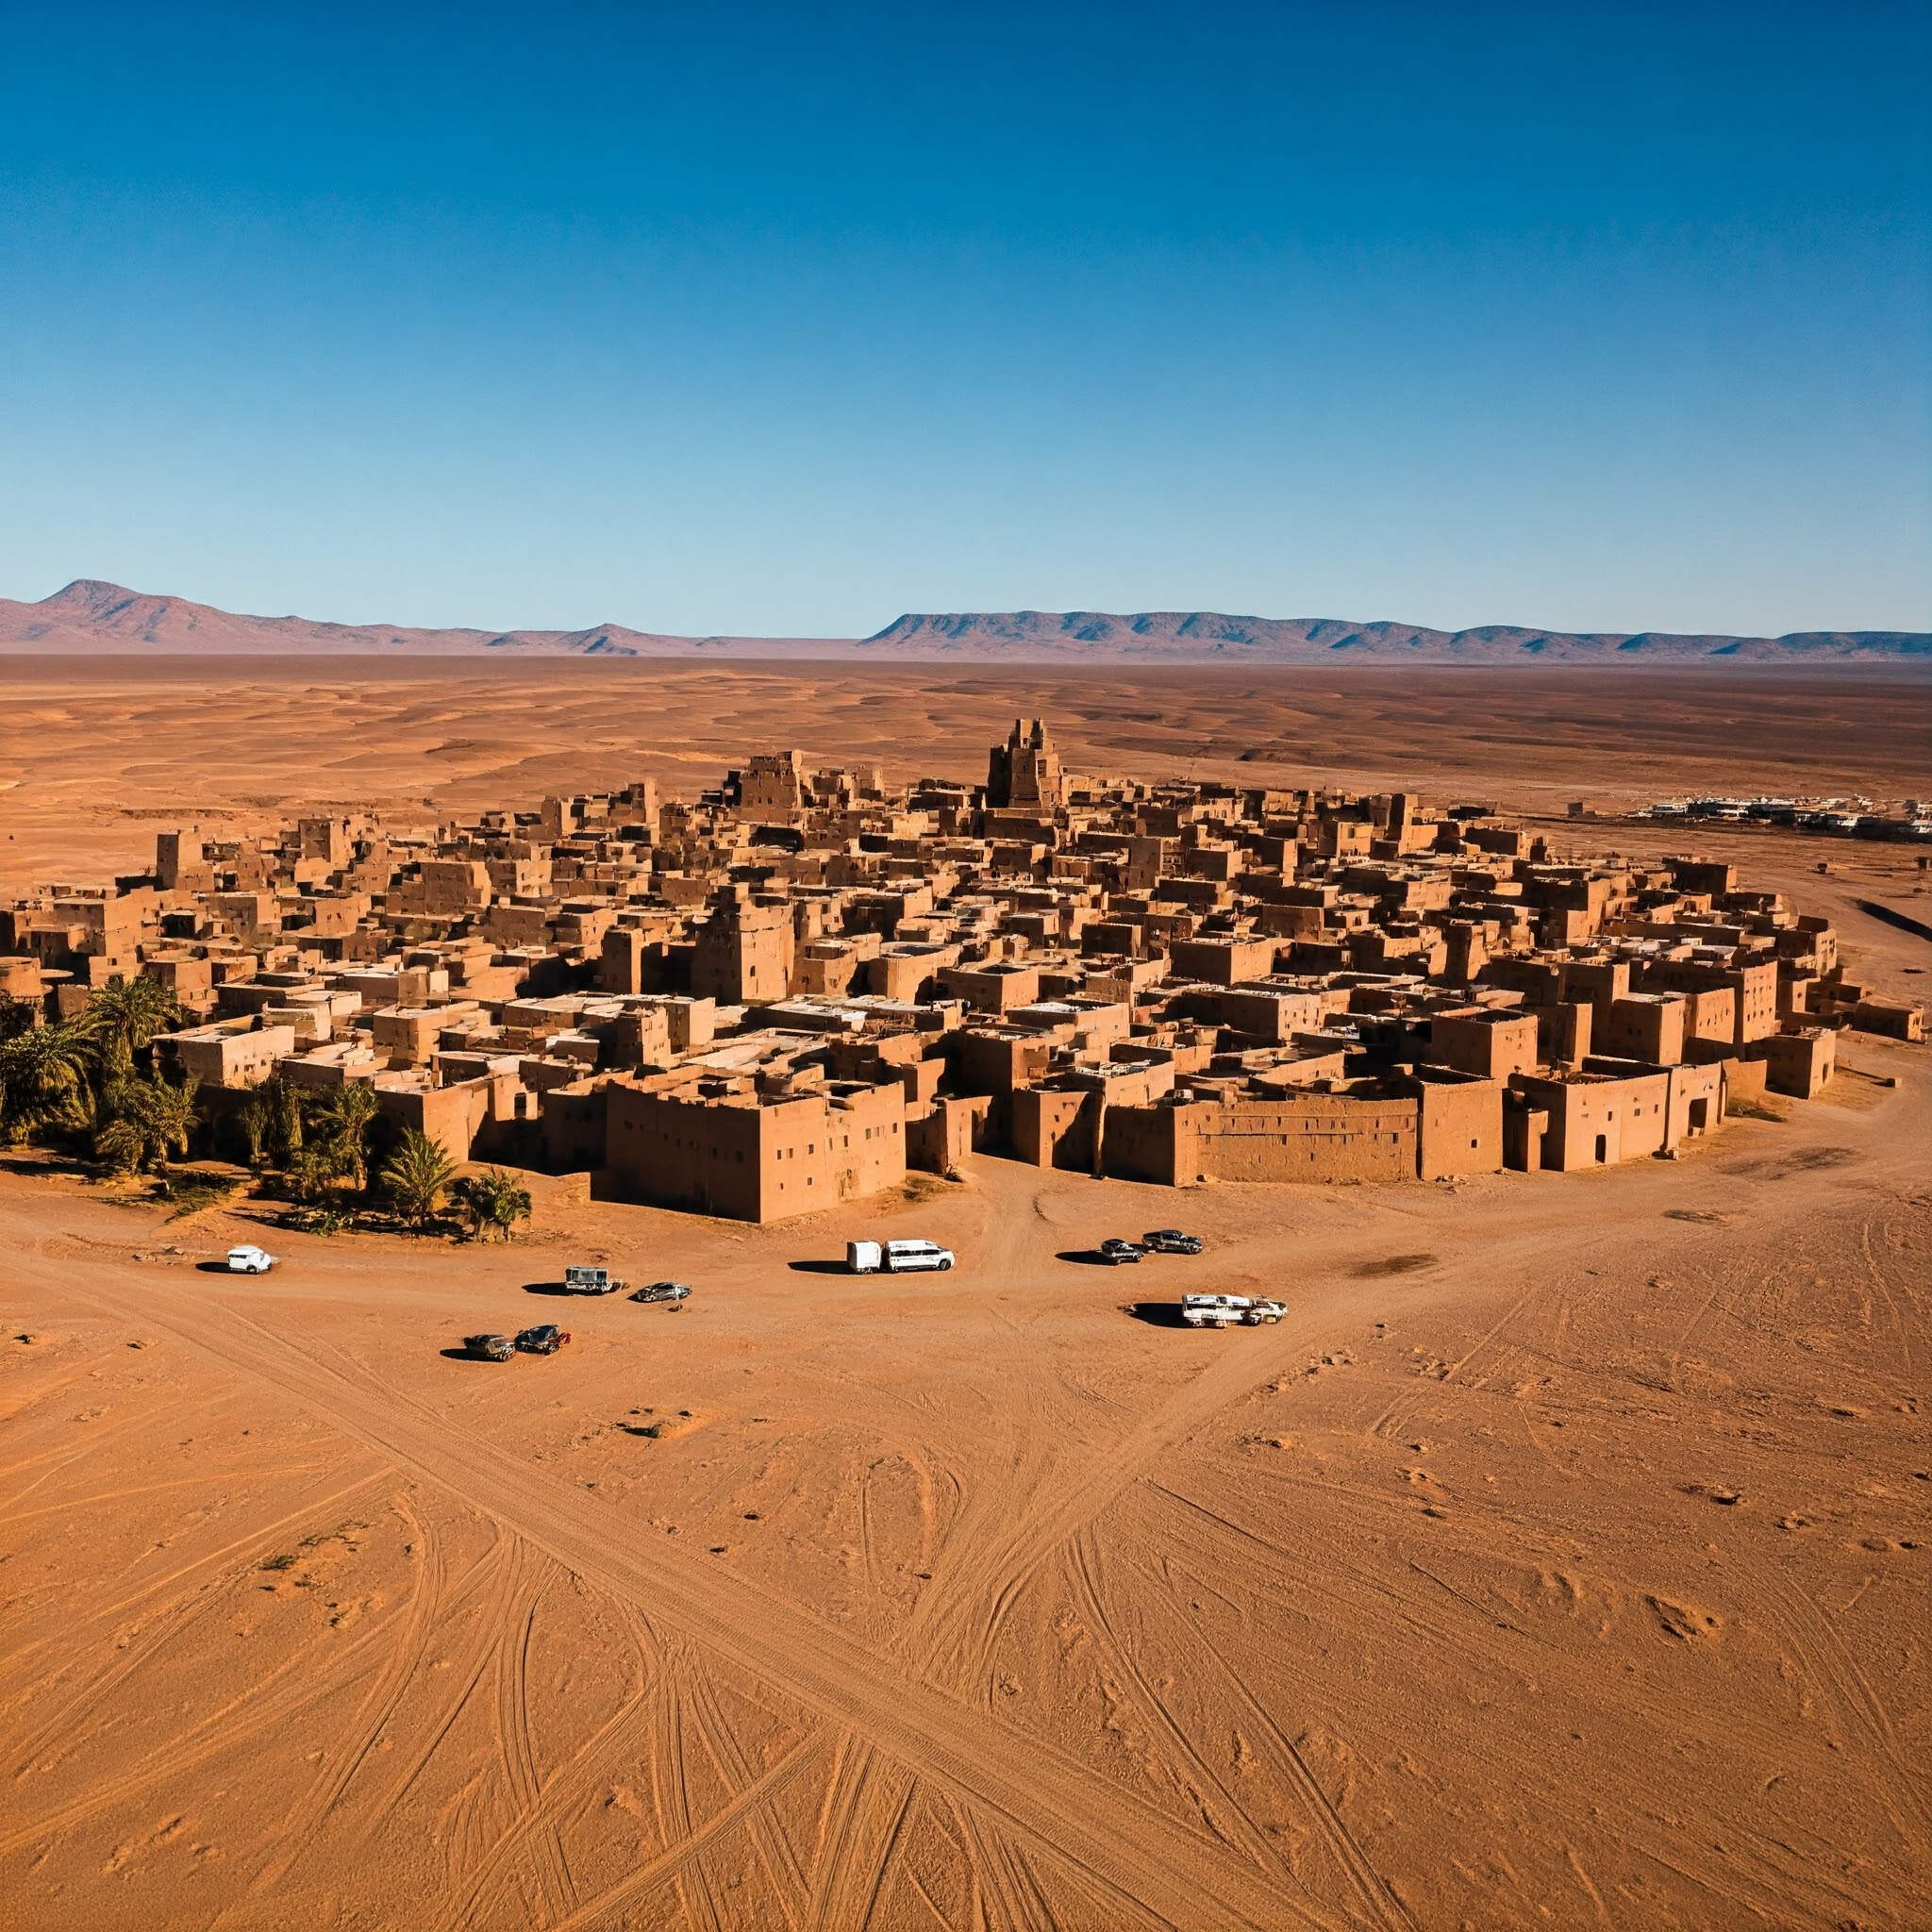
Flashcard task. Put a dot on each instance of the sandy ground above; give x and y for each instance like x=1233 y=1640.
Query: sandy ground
x=93 y=755
x=1562 y=1559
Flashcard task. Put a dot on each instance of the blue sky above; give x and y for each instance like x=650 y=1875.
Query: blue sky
x=784 y=320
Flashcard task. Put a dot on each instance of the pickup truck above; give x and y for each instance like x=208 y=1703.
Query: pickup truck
x=1220 y=1310
x=1170 y=1240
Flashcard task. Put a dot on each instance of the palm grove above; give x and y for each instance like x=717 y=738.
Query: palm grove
x=90 y=1087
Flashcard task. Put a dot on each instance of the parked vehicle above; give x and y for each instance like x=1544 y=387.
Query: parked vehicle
x=546 y=1338
x=896 y=1257
x=490 y=1348
x=590 y=1281
x=1220 y=1310
x=1170 y=1241
x=663 y=1292
x=1118 y=1252
x=250 y=1260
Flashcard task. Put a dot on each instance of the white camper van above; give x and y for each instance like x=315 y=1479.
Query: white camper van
x=896 y=1257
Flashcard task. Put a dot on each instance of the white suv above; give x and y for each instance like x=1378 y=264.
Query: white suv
x=250 y=1260
x=896 y=1257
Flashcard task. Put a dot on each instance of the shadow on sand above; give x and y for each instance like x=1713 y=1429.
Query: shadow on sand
x=1156 y=1314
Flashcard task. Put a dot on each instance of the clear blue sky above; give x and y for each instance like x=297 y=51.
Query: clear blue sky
x=784 y=320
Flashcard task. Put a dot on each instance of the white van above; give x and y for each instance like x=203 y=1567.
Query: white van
x=250 y=1260
x=896 y=1257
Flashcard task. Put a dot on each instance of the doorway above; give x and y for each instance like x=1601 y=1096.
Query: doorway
x=1603 y=1149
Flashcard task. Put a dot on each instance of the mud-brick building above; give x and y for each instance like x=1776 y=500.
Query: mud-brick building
x=721 y=1146
x=1367 y=1133
x=1643 y=1026
x=1222 y=961
x=1753 y=986
x=227 y=1053
x=1493 y=1043
x=1025 y=771
x=743 y=951
x=1610 y=1110
x=1800 y=1061
x=1062 y=1120
x=1459 y=1124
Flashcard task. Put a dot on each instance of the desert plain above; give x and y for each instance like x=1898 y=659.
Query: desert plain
x=1562 y=1558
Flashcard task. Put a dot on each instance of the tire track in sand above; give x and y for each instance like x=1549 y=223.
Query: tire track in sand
x=790 y=1884
x=1129 y=1849
x=1385 y=1909
x=497 y=1568
x=599 y=1753
x=173 y=1619
x=1834 y=1667
x=371 y=1718
x=1083 y=1571
x=687 y=1855
x=289 y=1689
x=554 y=1881
x=953 y=1642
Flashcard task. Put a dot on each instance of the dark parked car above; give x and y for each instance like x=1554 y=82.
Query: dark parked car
x=491 y=1348
x=1170 y=1240
x=546 y=1338
x=1119 y=1251
x=663 y=1292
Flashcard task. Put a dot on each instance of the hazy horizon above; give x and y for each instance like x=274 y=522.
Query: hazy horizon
x=761 y=323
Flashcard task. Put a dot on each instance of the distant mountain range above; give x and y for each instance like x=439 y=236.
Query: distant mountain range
x=96 y=619
x=104 y=620
x=1206 y=636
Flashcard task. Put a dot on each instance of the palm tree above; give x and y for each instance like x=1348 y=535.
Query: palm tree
x=122 y=1018
x=493 y=1199
x=251 y=1120
x=17 y=1016
x=274 y=1112
x=42 y=1079
x=344 y=1115
x=309 y=1172
x=416 y=1174
x=152 y=1119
